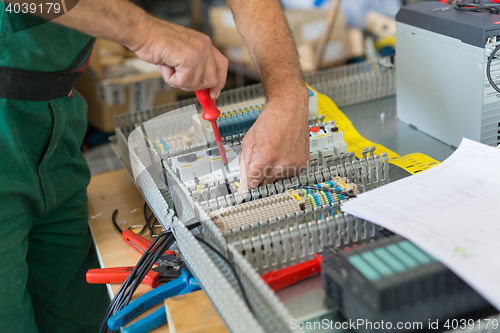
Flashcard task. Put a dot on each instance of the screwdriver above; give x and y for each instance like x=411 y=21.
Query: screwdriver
x=211 y=113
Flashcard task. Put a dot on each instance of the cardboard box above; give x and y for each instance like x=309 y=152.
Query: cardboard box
x=306 y=26
x=356 y=42
x=338 y=50
x=106 y=101
x=221 y=16
x=380 y=25
x=238 y=55
x=141 y=89
x=223 y=37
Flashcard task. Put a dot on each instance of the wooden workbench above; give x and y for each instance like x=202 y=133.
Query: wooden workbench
x=107 y=192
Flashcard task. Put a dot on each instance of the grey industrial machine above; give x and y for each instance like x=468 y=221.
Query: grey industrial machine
x=442 y=86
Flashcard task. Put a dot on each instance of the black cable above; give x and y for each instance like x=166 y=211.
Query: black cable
x=163 y=246
x=150 y=257
x=492 y=9
x=146 y=262
x=124 y=295
x=144 y=227
x=474 y=7
x=113 y=218
x=116 y=305
x=220 y=255
x=147 y=220
x=141 y=271
x=193 y=226
x=150 y=226
x=488 y=68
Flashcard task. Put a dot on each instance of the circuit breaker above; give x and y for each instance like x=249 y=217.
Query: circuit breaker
x=325 y=143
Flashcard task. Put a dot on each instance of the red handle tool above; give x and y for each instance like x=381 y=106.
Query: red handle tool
x=285 y=277
x=168 y=268
x=211 y=113
x=137 y=242
x=119 y=275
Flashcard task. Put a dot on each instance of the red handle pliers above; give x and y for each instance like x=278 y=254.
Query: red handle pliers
x=169 y=268
x=135 y=240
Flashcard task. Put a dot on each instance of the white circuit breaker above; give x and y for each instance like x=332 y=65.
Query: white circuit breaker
x=326 y=142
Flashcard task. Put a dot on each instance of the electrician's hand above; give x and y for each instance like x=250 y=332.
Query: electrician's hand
x=186 y=58
x=277 y=145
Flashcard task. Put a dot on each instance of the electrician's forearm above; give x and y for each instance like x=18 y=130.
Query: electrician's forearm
x=116 y=20
x=267 y=35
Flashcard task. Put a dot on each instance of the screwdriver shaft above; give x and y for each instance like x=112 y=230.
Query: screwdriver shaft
x=220 y=146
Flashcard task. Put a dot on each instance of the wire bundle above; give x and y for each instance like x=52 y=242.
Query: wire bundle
x=147 y=221
x=319 y=198
x=477 y=7
x=160 y=244
x=487 y=8
x=316 y=188
x=488 y=67
x=323 y=193
x=127 y=289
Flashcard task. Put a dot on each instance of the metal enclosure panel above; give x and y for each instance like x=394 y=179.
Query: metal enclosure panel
x=440 y=83
x=348 y=85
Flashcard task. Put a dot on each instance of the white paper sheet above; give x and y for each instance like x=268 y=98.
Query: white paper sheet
x=452 y=211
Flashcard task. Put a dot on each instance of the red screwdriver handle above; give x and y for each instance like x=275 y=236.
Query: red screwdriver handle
x=210 y=111
x=285 y=277
x=137 y=242
x=119 y=275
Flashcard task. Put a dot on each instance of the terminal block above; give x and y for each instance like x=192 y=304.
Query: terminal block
x=165 y=145
x=293 y=238
x=258 y=210
x=238 y=121
x=313 y=199
x=239 y=117
x=395 y=281
x=161 y=146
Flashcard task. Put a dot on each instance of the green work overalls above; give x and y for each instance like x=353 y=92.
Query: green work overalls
x=45 y=243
